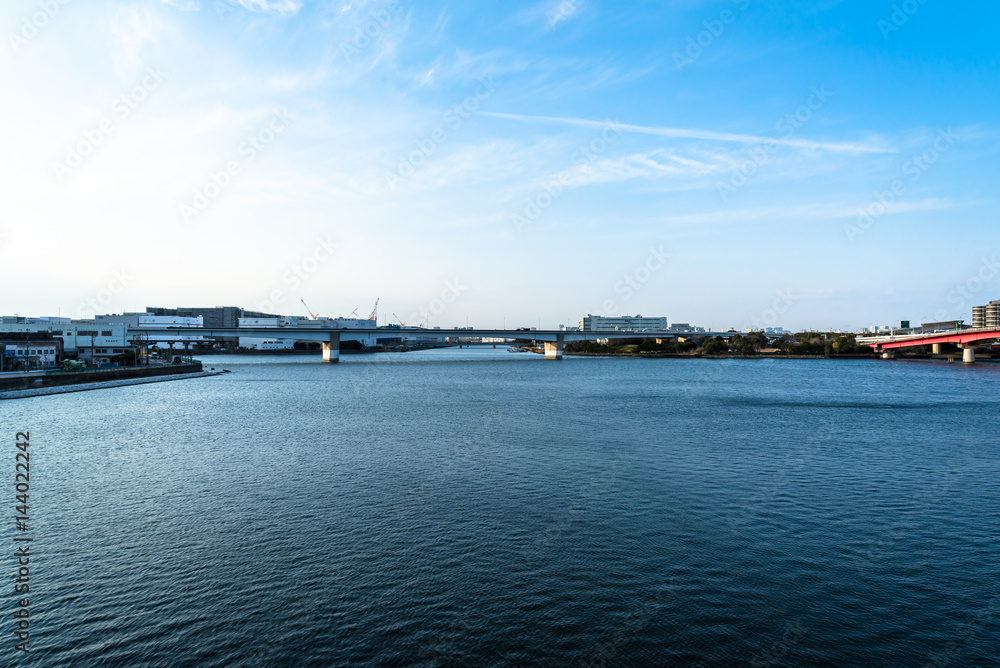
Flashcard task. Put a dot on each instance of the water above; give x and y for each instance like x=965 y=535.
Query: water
x=476 y=507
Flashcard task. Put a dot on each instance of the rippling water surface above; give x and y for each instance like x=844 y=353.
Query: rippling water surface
x=475 y=507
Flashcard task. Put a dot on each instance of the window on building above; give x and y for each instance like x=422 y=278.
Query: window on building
x=107 y=333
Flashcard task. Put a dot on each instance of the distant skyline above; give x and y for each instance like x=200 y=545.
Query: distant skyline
x=827 y=165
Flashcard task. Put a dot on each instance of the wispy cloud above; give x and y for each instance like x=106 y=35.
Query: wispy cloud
x=816 y=212
x=279 y=6
x=183 y=5
x=263 y=6
x=709 y=135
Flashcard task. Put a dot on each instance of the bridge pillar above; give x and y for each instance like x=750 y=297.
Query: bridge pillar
x=887 y=355
x=935 y=349
x=331 y=349
x=969 y=355
x=554 y=349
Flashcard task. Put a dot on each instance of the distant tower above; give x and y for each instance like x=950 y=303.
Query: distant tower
x=979 y=317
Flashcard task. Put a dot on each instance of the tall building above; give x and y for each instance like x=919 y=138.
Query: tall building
x=987 y=316
x=978 y=316
x=625 y=323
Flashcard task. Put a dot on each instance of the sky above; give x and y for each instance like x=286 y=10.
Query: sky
x=730 y=163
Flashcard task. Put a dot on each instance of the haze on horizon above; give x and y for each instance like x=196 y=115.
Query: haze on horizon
x=522 y=162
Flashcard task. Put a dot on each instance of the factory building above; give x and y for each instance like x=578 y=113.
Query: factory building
x=149 y=321
x=84 y=340
x=626 y=323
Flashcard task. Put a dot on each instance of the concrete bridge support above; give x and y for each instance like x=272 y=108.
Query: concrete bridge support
x=887 y=355
x=969 y=355
x=554 y=349
x=331 y=349
x=935 y=349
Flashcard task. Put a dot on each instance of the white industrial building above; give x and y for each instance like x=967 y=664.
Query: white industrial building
x=147 y=321
x=684 y=327
x=29 y=354
x=271 y=343
x=82 y=339
x=625 y=323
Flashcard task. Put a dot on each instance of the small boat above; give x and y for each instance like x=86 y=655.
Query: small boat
x=513 y=349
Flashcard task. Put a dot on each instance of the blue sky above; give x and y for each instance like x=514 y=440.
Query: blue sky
x=519 y=162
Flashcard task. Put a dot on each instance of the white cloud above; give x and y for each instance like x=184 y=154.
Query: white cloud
x=711 y=135
x=278 y=6
x=183 y=5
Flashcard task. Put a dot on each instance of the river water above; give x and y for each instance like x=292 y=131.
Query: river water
x=482 y=508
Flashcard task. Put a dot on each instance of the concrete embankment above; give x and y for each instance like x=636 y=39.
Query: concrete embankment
x=102 y=385
x=31 y=381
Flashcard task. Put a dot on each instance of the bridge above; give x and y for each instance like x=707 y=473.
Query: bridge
x=966 y=339
x=553 y=340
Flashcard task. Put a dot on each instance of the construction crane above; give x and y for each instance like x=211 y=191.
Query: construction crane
x=374 y=315
x=401 y=323
x=308 y=310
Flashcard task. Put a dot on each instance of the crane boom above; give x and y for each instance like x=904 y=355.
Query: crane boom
x=308 y=310
x=374 y=314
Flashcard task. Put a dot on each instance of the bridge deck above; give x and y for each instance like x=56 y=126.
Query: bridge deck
x=960 y=336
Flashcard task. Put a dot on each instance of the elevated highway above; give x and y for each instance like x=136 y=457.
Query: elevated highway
x=966 y=339
x=553 y=340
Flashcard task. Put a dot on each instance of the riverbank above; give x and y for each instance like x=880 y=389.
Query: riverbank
x=86 y=387
x=33 y=381
x=689 y=356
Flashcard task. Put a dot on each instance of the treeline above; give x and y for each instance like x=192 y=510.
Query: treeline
x=744 y=345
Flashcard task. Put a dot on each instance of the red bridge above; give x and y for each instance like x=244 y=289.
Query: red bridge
x=966 y=339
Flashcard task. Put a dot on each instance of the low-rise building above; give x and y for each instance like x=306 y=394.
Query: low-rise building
x=685 y=327
x=148 y=321
x=85 y=340
x=627 y=323
x=32 y=350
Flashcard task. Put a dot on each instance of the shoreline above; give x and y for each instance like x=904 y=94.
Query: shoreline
x=101 y=385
